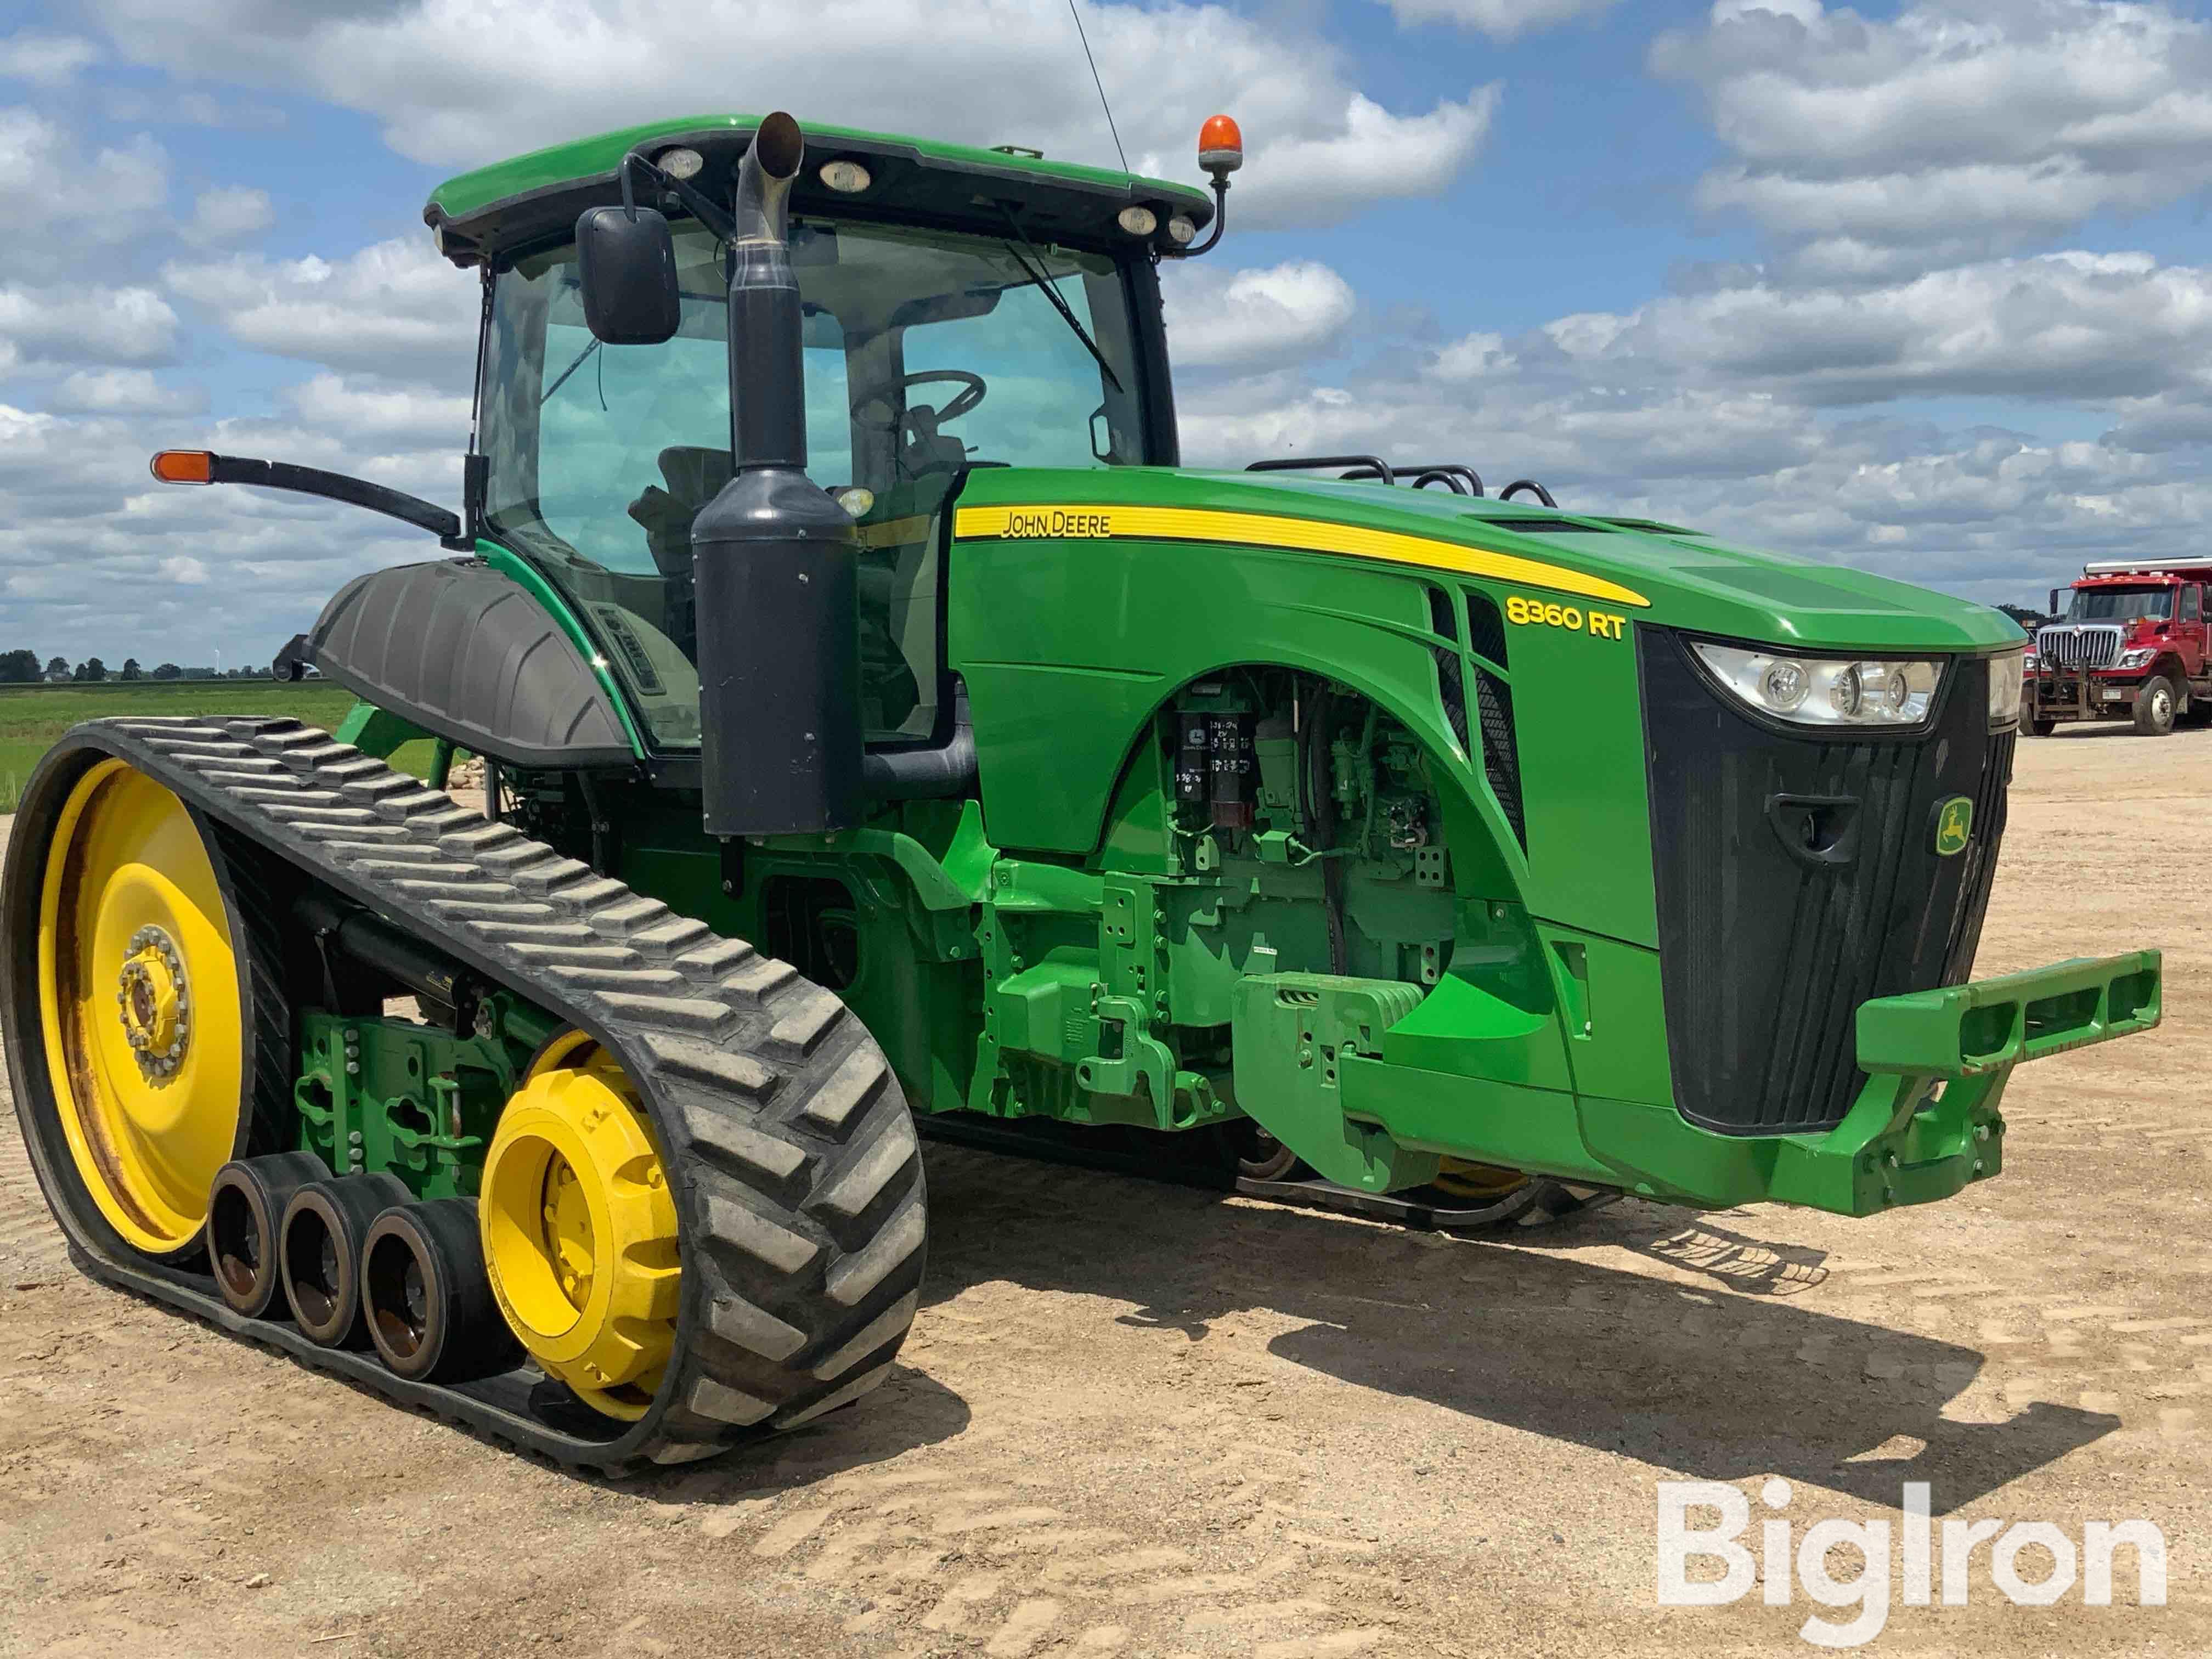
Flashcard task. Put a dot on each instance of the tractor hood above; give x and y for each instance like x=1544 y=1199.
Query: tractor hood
x=1644 y=570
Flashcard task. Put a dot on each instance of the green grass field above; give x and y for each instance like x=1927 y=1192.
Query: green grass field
x=32 y=716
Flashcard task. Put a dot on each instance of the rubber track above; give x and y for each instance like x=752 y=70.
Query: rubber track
x=790 y=1150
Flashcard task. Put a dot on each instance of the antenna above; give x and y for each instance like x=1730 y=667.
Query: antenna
x=1101 y=85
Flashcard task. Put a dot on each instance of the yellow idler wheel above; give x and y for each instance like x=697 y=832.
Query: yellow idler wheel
x=1479 y=1183
x=138 y=994
x=579 y=1229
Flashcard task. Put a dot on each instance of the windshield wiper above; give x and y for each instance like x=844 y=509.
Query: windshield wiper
x=1051 y=292
x=562 y=378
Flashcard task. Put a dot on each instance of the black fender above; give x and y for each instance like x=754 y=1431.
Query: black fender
x=469 y=655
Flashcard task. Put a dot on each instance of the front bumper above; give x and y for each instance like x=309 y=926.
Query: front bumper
x=1925 y=1124
x=2078 y=695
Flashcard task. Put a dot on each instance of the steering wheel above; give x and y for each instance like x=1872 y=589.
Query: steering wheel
x=971 y=392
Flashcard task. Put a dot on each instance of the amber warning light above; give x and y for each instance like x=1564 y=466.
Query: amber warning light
x=184 y=466
x=1220 y=146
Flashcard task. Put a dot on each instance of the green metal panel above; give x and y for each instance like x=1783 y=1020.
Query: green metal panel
x=410 y=1099
x=1703 y=584
x=375 y=730
x=1294 y=1033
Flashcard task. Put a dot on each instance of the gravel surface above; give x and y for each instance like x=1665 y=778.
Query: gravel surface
x=1135 y=1420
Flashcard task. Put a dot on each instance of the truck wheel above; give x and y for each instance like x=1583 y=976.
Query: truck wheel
x=2039 y=729
x=2155 y=706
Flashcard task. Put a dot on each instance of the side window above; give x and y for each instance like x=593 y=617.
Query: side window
x=2192 y=603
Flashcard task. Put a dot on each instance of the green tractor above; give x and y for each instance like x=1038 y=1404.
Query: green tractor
x=883 y=729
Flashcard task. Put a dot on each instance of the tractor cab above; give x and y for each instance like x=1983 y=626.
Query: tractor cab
x=961 y=309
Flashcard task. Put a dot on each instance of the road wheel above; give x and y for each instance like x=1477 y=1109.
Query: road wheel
x=2154 y=706
x=2036 y=728
x=1260 y=1157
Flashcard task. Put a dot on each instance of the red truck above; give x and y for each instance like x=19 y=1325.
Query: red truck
x=2128 y=642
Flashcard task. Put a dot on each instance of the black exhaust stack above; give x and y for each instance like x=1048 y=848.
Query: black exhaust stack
x=774 y=557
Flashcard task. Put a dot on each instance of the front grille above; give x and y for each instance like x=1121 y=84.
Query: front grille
x=1768 y=946
x=2078 y=645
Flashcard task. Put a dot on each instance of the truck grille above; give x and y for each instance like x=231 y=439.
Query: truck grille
x=2078 y=645
x=1766 y=952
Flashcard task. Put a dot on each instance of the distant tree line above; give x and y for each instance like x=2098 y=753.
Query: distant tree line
x=23 y=668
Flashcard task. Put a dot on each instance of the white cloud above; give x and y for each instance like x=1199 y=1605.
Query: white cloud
x=2079 y=326
x=1278 y=315
x=188 y=106
x=1501 y=20
x=47 y=60
x=129 y=181
x=1323 y=180
x=89 y=546
x=460 y=82
x=226 y=214
x=410 y=414
x=124 y=391
x=1985 y=122
x=1472 y=357
x=84 y=324
x=394 y=307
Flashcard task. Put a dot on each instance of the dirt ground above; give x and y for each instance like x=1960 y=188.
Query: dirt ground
x=1134 y=1420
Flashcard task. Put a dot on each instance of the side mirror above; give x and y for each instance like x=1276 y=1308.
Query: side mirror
x=2057 y=598
x=626 y=261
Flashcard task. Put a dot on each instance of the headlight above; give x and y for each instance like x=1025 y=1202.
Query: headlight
x=1821 y=691
x=2138 y=656
x=2005 y=688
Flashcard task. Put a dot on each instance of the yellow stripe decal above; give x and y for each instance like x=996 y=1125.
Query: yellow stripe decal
x=894 y=533
x=1182 y=524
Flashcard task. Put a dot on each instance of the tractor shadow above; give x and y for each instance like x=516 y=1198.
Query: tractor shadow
x=1725 y=1383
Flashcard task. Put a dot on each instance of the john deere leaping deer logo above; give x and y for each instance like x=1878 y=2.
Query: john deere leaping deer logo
x=1954 y=825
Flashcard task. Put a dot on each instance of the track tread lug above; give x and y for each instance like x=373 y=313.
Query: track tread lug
x=685 y=1013
x=866 y=1173
x=760 y=979
x=803 y=1023
x=716 y=960
x=872 y=1335
x=857 y=1082
x=723 y=1069
x=852 y=1279
x=734 y=1225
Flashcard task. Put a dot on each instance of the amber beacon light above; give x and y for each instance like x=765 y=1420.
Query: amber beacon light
x=185 y=465
x=1220 y=153
x=1220 y=146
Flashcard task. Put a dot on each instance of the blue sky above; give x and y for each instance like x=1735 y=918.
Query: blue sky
x=1925 y=287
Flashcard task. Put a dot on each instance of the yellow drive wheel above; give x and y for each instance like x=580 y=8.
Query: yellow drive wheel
x=138 y=993
x=579 y=1229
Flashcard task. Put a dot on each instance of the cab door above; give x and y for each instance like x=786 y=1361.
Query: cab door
x=2189 y=629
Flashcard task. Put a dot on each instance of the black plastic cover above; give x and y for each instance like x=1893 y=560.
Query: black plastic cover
x=467 y=654
x=1797 y=877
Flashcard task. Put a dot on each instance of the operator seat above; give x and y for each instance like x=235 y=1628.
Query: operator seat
x=694 y=476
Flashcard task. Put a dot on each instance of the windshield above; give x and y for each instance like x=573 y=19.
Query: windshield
x=2120 y=603
x=926 y=352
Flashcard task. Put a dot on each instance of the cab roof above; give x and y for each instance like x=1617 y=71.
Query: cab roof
x=535 y=198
